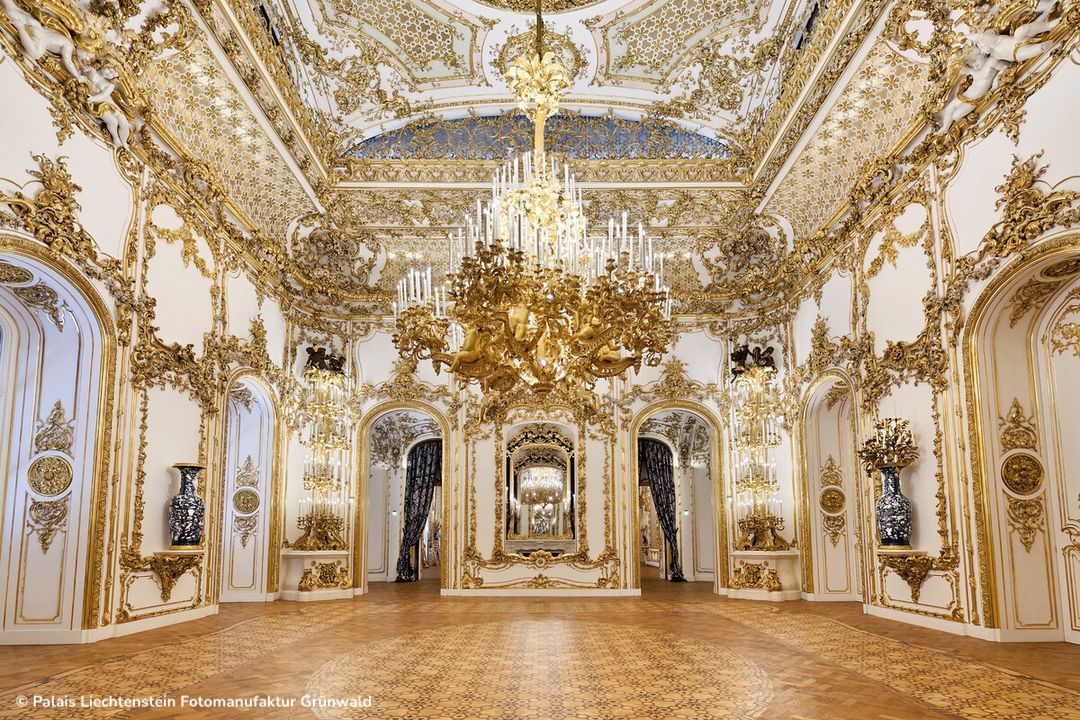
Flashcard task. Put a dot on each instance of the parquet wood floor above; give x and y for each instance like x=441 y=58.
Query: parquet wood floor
x=677 y=652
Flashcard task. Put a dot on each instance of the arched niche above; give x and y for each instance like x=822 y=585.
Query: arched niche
x=694 y=436
x=387 y=435
x=1022 y=376
x=249 y=535
x=56 y=361
x=830 y=508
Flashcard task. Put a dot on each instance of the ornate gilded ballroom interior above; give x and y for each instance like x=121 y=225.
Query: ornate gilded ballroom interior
x=540 y=359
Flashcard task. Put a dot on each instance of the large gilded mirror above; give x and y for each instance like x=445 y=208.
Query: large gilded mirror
x=540 y=490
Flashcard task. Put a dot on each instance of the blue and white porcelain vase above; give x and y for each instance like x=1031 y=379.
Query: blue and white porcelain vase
x=891 y=448
x=893 y=512
x=186 y=510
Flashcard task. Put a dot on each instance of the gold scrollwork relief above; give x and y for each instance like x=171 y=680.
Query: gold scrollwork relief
x=830 y=472
x=1018 y=431
x=247 y=475
x=756 y=575
x=49 y=475
x=44 y=299
x=47 y=517
x=169 y=568
x=834 y=526
x=1026 y=519
x=245 y=527
x=1022 y=473
x=324 y=575
x=912 y=569
x=14 y=275
x=55 y=433
x=1065 y=334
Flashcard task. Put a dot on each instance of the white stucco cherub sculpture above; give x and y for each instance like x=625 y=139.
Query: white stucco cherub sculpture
x=101 y=104
x=990 y=53
x=37 y=39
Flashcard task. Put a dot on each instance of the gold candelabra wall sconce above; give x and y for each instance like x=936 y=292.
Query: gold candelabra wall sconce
x=324 y=412
x=758 y=425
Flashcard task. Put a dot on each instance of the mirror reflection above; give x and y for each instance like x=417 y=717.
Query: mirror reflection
x=540 y=490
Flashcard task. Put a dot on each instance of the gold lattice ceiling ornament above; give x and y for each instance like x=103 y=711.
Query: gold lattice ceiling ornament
x=531 y=297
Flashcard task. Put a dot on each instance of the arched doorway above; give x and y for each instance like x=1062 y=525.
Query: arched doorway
x=690 y=438
x=831 y=528
x=1022 y=363
x=249 y=465
x=56 y=360
x=391 y=439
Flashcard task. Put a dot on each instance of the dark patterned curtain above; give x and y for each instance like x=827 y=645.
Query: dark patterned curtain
x=656 y=470
x=423 y=471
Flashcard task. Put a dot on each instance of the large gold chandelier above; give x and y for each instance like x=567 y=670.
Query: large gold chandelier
x=531 y=297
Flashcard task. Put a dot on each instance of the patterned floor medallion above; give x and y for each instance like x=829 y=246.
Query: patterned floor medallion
x=545 y=669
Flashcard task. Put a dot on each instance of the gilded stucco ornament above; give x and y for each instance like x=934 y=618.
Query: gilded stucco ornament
x=170 y=568
x=14 y=274
x=245 y=526
x=1065 y=333
x=1026 y=519
x=912 y=569
x=1017 y=430
x=50 y=475
x=45 y=299
x=832 y=500
x=56 y=432
x=1022 y=473
x=756 y=575
x=834 y=526
x=46 y=518
x=245 y=501
x=325 y=575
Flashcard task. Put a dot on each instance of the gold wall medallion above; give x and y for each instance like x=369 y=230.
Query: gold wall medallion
x=1022 y=473
x=245 y=501
x=832 y=500
x=14 y=275
x=49 y=475
x=1065 y=268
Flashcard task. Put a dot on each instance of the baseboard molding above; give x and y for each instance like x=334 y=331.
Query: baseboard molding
x=248 y=597
x=77 y=637
x=569 y=592
x=831 y=597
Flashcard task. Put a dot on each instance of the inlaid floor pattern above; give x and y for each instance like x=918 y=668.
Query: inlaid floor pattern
x=677 y=652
